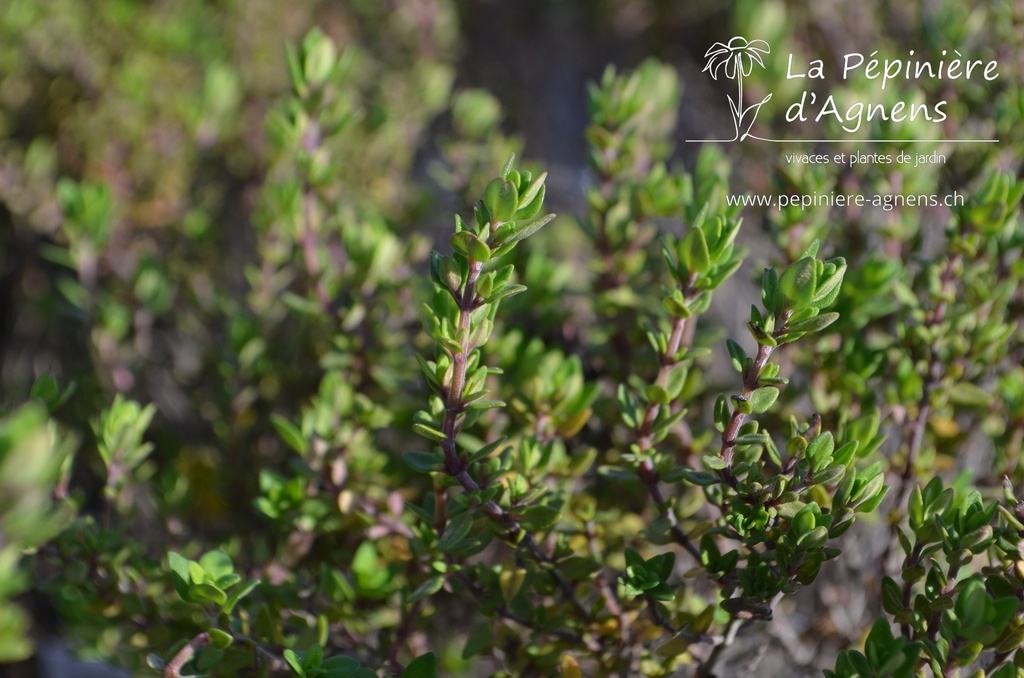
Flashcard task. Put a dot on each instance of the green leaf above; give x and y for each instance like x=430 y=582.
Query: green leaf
x=760 y=336
x=798 y=283
x=238 y=594
x=293 y=661
x=505 y=292
x=844 y=455
x=628 y=407
x=486 y=450
x=450 y=274
x=676 y=308
x=763 y=398
x=510 y=581
x=471 y=247
x=693 y=251
x=699 y=478
x=217 y=564
x=969 y=395
x=828 y=290
x=506 y=169
x=522 y=232
x=303 y=305
x=821 y=447
x=219 y=639
x=540 y=517
x=722 y=413
x=196 y=572
x=435 y=258
x=429 y=433
x=427 y=588
x=815 y=324
x=713 y=463
x=657 y=395
x=207 y=593
x=365 y=559
x=501 y=198
x=290 y=434
x=528 y=210
x=633 y=558
x=829 y=475
x=578 y=567
x=812 y=249
x=892 y=596
x=424 y=666
x=533 y=191
x=1005 y=671
x=153 y=661
x=870 y=488
x=179 y=565
x=971 y=603
x=455 y=531
x=422 y=462
x=790 y=509
x=341 y=667
x=569 y=667
x=772 y=299
x=737 y=355
x=485 y=404
x=14 y=645
x=208 y=658
x=676 y=381
x=674 y=647
x=742 y=404
x=479 y=638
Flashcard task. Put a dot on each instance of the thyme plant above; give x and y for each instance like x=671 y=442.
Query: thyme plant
x=288 y=435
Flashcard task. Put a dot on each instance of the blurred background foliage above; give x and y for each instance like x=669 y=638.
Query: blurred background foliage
x=213 y=255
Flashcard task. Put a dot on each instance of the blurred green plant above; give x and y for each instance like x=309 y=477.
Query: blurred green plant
x=34 y=459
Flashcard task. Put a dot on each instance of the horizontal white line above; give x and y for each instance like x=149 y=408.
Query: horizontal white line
x=848 y=141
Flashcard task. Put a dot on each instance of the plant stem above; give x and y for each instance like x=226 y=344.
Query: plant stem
x=932 y=379
x=611 y=602
x=505 y=613
x=455 y=407
x=750 y=382
x=913 y=558
x=648 y=474
x=706 y=669
x=937 y=315
x=453 y=403
x=935 y=620
x=309 y=254
x=308 y=241
x=405 y=628
x=174 y=667
x=517 y=535
x=649 y=477
x=658 y=618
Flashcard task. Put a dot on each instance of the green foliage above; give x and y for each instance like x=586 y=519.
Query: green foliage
x=119 y=432
x=884 y=655
x=32 y=462
x=950 y=618
x=208 y=580
x=316 y=435
x=311 y=664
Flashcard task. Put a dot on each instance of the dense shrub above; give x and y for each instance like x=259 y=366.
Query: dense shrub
x=270 y=413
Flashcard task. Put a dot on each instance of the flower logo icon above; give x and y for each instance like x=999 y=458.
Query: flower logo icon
x=736 y=61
